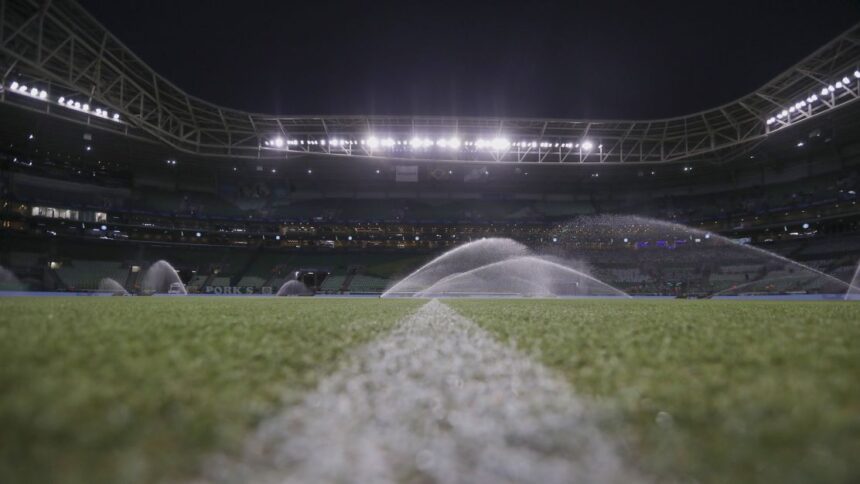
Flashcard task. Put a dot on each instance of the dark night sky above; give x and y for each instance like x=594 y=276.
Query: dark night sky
x=600 y=59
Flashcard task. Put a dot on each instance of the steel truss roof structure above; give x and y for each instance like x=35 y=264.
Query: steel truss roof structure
x=59 y=48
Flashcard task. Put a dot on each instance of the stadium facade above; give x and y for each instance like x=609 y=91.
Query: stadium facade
x=108 y=167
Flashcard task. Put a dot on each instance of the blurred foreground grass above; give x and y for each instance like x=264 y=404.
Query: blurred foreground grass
x=708 y=391
x=135 y=390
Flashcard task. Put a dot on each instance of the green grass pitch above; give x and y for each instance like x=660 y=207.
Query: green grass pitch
x=138 y=390
x=707 y=391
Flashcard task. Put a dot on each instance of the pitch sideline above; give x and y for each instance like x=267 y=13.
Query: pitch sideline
x=436 y=400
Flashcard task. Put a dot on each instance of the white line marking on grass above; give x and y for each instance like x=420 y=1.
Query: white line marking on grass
x=436 y=400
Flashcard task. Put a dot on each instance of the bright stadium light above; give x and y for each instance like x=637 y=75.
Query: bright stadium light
x=587 y=145
x=373 y=142
x=846 y=80
x=22 y=88
x=771 y=120
x=831 y=88
x=43 y=94
x=500 y=144
x=388 y=142
x=14 y=85
x=278 y=142
x=61 y=100
x=824 y=91
x=838 y=85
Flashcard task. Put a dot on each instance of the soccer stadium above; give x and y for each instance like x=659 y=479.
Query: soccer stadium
x=193 y=291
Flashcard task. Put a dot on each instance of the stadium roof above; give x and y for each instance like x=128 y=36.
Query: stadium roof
x=57 y=59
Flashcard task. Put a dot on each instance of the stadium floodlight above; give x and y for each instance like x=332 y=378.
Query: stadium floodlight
x=34 y=92
x=43 y=94
x=372 y=142
x=454 y=143
x=812 y=98
x=61 y=100
x=14 y=85
x=771 y=120
x=85 y=107
x=792 y=109
x=115 y=116
x=22 y=88
x=838 y=85
x=500 y=144
x=831 y=88
x=824 y=91
x=388 y=142
x=846 y=80
x=587 y=145
x=800 y=144
x=278 y=142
